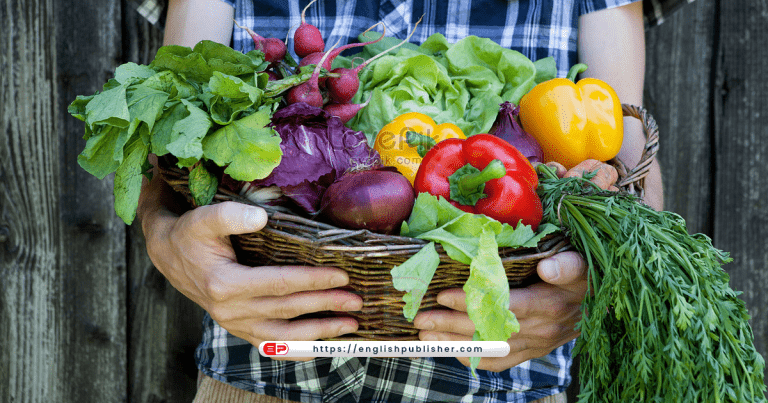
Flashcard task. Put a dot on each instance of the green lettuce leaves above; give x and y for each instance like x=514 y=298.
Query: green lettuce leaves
x=203 y=105
x=472 y=239
x=462 y=83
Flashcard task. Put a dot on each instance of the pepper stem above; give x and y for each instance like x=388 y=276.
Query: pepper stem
x=421 y=142
x=468 y=183
x=576 y=70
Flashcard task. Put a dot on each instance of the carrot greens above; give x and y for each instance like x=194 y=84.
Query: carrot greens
x=660 y=321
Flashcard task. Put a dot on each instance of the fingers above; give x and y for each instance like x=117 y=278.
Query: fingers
x=563 y=268
x=233 y=281
x=285 y=307
x=227 y=218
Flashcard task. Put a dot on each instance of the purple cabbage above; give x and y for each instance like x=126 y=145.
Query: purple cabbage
x=508 y=128
x=317 y=149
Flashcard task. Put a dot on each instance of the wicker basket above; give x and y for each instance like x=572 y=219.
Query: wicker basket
x=290 y=239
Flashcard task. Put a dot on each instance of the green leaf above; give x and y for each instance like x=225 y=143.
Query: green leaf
x=145 y=105
x=202 y=185
x=546 y=69
x=97 y=156
x=125 y=72
x=487 y=292
x=248 y=148
x=414 y=276
x=187 y=135
x=128 y=179
x=108 y=108
x=78 y=107
x=523 y=235
x=228 y=97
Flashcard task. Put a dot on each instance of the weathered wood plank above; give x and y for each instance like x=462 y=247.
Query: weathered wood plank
x=677 y=94
x=165 y=327
x=741 y=174
x=63 y=260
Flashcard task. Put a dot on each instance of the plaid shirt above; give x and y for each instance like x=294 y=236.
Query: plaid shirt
x=521 y=26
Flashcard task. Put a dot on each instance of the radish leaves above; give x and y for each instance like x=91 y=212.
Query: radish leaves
x=192 y=103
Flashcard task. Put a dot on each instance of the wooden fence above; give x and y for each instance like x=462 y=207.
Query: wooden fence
x=84 y=317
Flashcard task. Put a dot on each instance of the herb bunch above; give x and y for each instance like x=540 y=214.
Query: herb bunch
x=660 y=322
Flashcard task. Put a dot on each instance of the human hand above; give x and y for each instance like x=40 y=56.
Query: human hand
x=194 y=253
x=605 y=177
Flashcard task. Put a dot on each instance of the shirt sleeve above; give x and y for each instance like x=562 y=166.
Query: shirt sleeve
x=590 y=6
x=154 y=10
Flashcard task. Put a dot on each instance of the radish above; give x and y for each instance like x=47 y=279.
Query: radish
x=345 y=111
x=274 y=49
x=314 y=58
x=343 y=88
x=307 y=39
x=309 y=91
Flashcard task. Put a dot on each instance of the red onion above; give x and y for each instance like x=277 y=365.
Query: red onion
x=508 y=128
x=378 y=200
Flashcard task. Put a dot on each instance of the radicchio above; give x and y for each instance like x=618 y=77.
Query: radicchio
x=317 y=149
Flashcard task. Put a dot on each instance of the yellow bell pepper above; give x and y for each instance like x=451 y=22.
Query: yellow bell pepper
x=572 y=121
x=393 y=146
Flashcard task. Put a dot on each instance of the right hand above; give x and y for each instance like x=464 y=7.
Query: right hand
x=194 y=253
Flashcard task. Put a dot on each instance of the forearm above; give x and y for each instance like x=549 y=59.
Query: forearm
x=191 y=21
x=612 y=44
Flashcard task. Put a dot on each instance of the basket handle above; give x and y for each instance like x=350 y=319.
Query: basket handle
x=651 y=131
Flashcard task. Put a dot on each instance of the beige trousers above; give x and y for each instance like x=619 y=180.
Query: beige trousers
x=210 y=390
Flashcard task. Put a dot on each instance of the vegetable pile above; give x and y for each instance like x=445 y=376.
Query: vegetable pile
x=437 y=142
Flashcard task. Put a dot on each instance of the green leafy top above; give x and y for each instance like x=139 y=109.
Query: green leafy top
x=205 y=105
x=660 y=322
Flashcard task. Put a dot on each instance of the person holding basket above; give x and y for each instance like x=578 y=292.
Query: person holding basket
x=247 y=305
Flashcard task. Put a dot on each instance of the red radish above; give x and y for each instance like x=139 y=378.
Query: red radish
x=274 y=49
x=314 y=58
x=345 y=111
x=343 y=88
x=309 y=91
x=307 y=39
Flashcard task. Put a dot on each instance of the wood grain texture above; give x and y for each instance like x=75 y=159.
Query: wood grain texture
x=741 y=174
x=63 y=260
x=677 y=93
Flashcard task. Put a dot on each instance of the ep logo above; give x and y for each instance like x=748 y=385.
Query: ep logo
x=275 y=349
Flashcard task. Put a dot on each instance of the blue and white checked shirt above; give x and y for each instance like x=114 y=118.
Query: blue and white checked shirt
x=535 y=28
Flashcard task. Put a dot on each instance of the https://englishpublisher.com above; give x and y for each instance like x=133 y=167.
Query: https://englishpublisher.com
x=384 y=349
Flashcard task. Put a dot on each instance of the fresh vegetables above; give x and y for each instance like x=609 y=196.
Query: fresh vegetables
x=309 y=91
x=307 y=39
x=462 y=83
x=317 y=149
x=376 y=199
x=393 y=146
x=508 y=128
x=660 y=322
x=485 y=175
x=574 y=121
x=206 y=105
x=274 y=49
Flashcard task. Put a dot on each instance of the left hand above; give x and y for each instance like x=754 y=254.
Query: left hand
x=547 y=311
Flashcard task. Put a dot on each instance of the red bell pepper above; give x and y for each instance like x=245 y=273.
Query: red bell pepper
x=483 y=175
